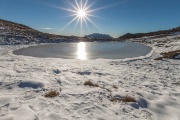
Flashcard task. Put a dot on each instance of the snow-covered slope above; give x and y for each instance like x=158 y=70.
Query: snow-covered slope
x=154 y=84
x=13 y=33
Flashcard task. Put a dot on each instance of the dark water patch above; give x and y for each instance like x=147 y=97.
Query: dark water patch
x=30 y=84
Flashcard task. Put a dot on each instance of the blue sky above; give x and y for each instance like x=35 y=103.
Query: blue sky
x=116 y=17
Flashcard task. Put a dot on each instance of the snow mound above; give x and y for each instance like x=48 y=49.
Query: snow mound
x=7 y=118
x=4 y=101
x=24 y=114
x=54 y=116
x=30 y=84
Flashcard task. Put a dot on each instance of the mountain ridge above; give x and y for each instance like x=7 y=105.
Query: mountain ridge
x=160 y=33
x=16 y=33
x=98 y=35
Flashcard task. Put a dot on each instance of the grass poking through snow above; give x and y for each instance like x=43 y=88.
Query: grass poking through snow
x=128 y=99
x=115 y=87
x=169 y=55
x=159 y=58
x=52 y=94
x=114 y=99
x=91 y=84
x=106 y=89
x=177 y=83
x=125 y=99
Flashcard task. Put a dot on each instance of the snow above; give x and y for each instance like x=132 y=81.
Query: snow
x=2 y=28
x=154 y=84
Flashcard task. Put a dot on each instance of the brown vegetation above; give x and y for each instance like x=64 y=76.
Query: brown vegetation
x=128 y=99
x=114 y=86
x=169 y=55
x=52 y=94
x=91 y=84
x=125 y=99
x=106 y=89
x=114 y=99
x=159 y=58
x=177 y=83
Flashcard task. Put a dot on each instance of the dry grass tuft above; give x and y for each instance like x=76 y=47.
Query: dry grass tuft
x=177 y=83
x=91 y=84
x=159 y=45
x=106 y=89
x=125 y=99
x=116 y=99
x=171 y=55
x=52 y=94
x=159 y=58
x=128 y=99
x=114 y=86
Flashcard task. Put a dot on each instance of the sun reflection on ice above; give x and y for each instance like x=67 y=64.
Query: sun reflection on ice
x=81 y=52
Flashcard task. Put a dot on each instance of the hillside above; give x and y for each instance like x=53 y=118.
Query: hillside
x=15 y=33
x=160 y=33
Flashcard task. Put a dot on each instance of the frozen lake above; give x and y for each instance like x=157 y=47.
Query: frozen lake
x=87 y=50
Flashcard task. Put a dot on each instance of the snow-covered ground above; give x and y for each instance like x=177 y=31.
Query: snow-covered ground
x=154 y=84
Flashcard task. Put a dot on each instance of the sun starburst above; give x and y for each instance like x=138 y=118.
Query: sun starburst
x=81 y=12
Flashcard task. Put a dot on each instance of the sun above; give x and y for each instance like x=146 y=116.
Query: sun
x=81 y=13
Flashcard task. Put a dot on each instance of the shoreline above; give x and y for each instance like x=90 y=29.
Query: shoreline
x=154 y=84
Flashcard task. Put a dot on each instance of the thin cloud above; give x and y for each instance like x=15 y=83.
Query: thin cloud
x=46 y=28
